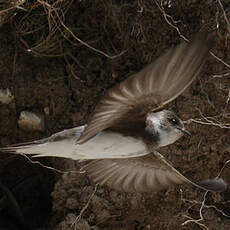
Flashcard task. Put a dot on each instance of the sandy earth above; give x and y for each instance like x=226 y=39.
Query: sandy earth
x=50 y=70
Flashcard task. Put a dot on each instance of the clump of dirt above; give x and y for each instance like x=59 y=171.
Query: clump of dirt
x=59 y=57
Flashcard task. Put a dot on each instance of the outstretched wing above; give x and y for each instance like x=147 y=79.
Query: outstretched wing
x=151 y=88
x=142 y=174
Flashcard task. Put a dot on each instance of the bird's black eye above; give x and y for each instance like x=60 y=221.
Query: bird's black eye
x=174 y=121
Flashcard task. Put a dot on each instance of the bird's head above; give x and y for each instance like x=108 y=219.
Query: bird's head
x=166 y=126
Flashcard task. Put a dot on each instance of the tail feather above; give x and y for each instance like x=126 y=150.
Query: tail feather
x=57 y=145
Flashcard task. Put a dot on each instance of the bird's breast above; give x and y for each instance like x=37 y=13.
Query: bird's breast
x=109 y=144
x=168 y=137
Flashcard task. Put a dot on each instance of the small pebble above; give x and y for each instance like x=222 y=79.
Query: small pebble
x=31 y=121
x=6 y=96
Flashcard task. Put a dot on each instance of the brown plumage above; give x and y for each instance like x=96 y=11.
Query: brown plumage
x=128 y=161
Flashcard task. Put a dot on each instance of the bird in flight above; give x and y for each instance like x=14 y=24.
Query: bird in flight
x=129 y=124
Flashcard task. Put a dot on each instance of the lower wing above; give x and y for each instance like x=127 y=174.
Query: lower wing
x=143 y=174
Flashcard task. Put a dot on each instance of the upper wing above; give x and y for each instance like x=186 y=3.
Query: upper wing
x=142 y=174
x=151 y=88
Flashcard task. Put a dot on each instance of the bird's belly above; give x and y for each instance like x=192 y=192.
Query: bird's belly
x=109 y=144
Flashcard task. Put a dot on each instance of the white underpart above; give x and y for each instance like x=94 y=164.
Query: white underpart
x=106 y=144
x=167 y=138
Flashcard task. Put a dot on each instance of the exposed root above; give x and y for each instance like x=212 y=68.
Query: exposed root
x=84 y=208
x=169 y=19
x=50 y=168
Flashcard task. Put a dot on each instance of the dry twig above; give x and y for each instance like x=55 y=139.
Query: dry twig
x=211 y=121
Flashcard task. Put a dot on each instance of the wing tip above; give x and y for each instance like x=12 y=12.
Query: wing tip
x=205 y=38
x=214 y=185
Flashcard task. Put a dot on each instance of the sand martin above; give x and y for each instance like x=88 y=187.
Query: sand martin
x=128 y=125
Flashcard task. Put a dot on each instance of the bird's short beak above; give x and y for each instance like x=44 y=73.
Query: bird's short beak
x=183 y=130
